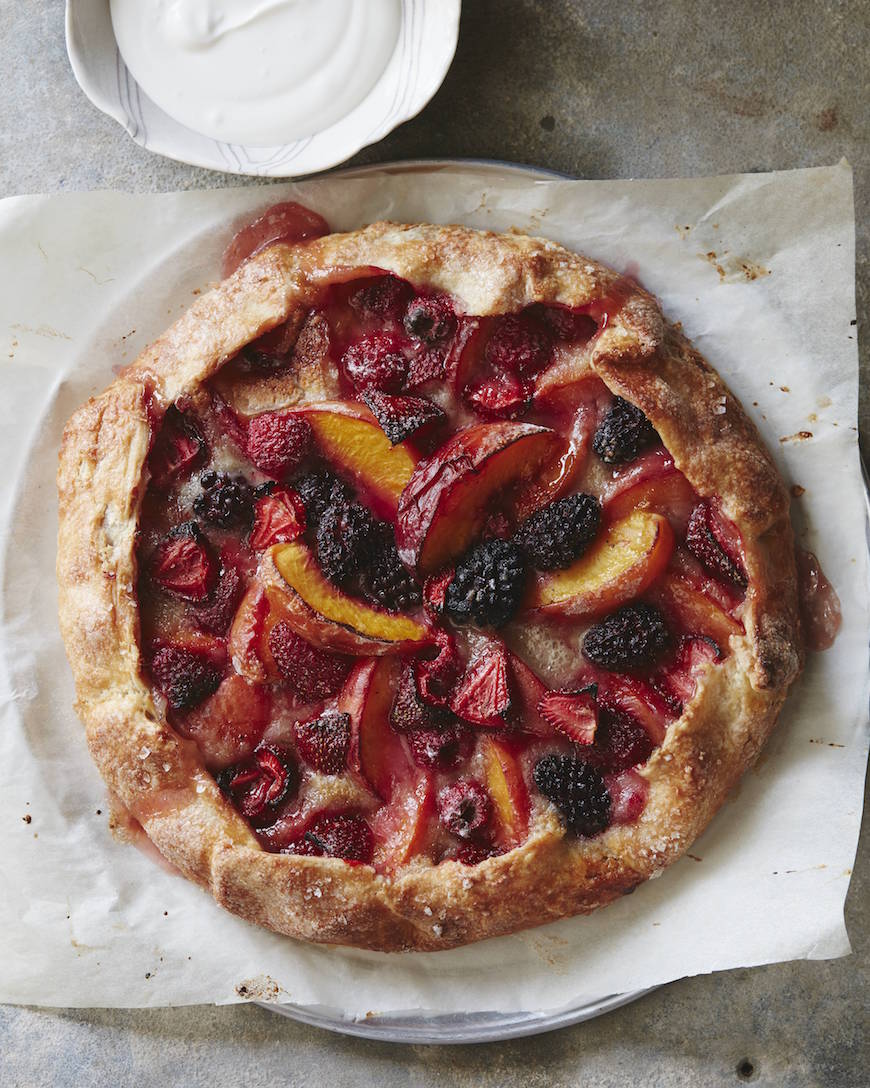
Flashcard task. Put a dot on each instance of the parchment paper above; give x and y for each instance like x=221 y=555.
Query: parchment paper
x=759 y=269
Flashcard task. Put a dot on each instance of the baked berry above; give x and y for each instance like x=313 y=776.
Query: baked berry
x=621 y=741
x=215 y=614
x=441 y=749
x=278 y=441
x=312 y=673
x=623 y=433
x=502 y=395
x=385 y=578
x=633 y=638
x=319 y=490
x=408 y=711
x=261 y=785
x=183 y=564
x=488 y=584
x=324 y=742
x=279 y=517
x=518 y=345
x=341 y=836
x=178 y=449
x=703 y=541
x=437 y=675
x=431 y=320
x=400 y=417
x=464 y=808
x=346 y=539
x=435 y=592
x=573 y=713
x=225 y=501
x=560 y=532
x=473 y=853
x=184 y=676
x=484 y=695
x=383 y=298
x=567 y=325
x=375 y=362
x=577 y=790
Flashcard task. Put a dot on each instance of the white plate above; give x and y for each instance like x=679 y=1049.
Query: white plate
x=427 y=42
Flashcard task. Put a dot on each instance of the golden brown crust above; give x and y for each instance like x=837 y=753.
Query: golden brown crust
x=161 y=778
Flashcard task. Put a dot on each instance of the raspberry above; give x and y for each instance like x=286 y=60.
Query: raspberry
x=384 y=298
x=215 y=614
x=345 y=542
x=346 y=837
x=375 y=362
x=473 y=853
x=260 y=785
x=564 y=323
x=319 y=490
x=386 y=579
x=178 y=449
x=408 y=711
x=184 y=676
x=324 y=742
x=488 y=585
x=577 y=790
x=632 y=638
x=277 y=442
x=279 y=517
x=518 y=345
x=225 y=501
x=400 y=417
x=464 y=808
x=622 y=742
x=312 y=673
x=556 y=535
x=623 y=434
x=437 y=676
x=499 y=396
x=484 y=696
x=441 y=749
x=183 y=564
x=431 y=320
x=574 y=713
x=703 y=542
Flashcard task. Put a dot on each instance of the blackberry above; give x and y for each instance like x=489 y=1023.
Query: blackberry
x=346 y=539
x=623 y=434
x=577 y=790
x=558 y=534
x=488 y=585
x=320 y=490
x=386 y=580
x=630 y=639
x=225 y=500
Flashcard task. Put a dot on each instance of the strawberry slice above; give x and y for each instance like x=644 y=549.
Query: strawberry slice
x=711 y=543
x=324 y=742
x=408 y=711
x=279 y=517
x=343 y=836
x=502 y=395
x=529 y=690
x=276 y=442
x=678 y=682
x=263 y=783
x=400 y=417
x=574 y=713
x=186 y=677
x=484 y=694
x=215 y=613
x=312 y=673
x=183 y=564
x=178 y=449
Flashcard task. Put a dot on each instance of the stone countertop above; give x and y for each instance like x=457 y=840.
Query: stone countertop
x=659 y=89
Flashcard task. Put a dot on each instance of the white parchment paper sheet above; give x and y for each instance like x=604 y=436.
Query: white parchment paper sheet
x=759 y=269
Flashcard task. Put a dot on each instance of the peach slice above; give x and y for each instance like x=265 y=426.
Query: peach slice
x=228 y=725
x=401 y=828
x=376 y=750
x=623 y=563
x=695 y=611
x=326 y=617
x=445 y=503
x=670 y=493
x=349 y=436
x=507 y=788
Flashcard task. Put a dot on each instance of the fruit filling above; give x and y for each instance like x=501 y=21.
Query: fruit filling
x=418 y=584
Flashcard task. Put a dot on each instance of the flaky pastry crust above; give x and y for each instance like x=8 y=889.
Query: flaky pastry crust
x=160 y=777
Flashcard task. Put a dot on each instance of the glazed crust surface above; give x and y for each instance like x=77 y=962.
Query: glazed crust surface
x=160 y=777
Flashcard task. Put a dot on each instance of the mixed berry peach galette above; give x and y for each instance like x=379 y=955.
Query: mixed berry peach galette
x=422 y=585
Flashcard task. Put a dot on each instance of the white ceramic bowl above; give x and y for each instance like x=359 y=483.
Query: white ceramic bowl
x=427 y=42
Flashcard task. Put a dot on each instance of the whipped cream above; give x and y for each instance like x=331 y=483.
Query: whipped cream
x=257 y=72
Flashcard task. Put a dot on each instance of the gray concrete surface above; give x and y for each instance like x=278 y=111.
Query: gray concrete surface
x=597 y=90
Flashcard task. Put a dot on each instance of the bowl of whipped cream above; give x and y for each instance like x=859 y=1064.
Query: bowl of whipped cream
x=271 y=88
